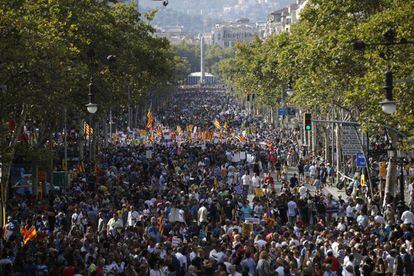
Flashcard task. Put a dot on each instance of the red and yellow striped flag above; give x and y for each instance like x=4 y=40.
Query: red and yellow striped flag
x=87 y=129
x=179 y=130
x=190 y=128
x=151 y=138
x=81 y=167
x=29 y=234
x=150 y=119
x=158 y=131
x=226 y=126
x=216 y=123
x=239 y=138
x=160 y=224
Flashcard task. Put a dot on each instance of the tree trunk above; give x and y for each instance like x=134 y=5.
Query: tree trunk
x=35 y=182
x=338 y=151
x=7 y=156
x=326 y=146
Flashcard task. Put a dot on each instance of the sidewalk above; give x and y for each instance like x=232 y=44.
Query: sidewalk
x=335 y=192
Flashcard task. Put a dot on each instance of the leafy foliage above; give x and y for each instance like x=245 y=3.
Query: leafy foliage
x=327 y=74
x=50 y=49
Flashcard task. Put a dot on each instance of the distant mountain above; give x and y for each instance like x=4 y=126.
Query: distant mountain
x=200 y=15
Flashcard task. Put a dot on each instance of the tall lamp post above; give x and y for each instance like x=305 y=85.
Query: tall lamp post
x=388 y=105
x=389 y=39
x=92 y=108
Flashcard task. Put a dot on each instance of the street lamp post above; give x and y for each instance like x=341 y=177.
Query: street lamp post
x=92 y=107
x=389 y=39
x=388 y=105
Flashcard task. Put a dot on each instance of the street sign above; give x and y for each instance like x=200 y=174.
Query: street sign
x=282 y=112
x=360 y=160
x=291 y=111
x=351 y=144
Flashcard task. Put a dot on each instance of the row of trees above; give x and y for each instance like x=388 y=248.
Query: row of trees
x=329 y=78
x=50 y=49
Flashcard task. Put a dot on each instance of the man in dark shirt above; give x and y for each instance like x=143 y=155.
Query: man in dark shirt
x=294 y=181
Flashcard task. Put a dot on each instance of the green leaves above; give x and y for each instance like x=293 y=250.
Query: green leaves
x=327 y=74
x=45 y=65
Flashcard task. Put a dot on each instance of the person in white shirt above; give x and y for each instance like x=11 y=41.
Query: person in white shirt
x=77 y=217
x=133 y=217
x=303 y=191
x=202 y=214
x=312 y=171
x=255 y=181
x=292 y=211
x=341 y=225
x=348 y=267
x=218 y=254
x=350 y=213
x=407 y=217
x=245 y=179
x=380 y=219
x=114 y=224
x=181 y=258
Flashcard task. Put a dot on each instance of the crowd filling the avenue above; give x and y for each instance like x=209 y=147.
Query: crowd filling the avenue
x=207 y=189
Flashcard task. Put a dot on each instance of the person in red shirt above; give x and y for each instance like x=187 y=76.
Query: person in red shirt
x=268 y=181
x=330 y=259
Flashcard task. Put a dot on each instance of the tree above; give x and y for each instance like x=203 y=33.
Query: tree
x=46 y=62
x=329 y=77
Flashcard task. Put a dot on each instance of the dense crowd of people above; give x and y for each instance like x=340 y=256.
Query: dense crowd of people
x=220 y=206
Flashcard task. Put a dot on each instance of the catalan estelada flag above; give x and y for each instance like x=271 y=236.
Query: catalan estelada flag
x=179 y=130
x=216 y=123
x=160 y=224
x=226 y=126
x=150 y=119
x=151 y=138
x=239 y=138
x=190 y=128
x=28 y=234
x=87 y=129
x=81 y=167
x=158 y=131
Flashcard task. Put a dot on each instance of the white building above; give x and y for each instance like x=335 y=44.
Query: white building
x=175 y=34
x=227 y=34
x=281 y=20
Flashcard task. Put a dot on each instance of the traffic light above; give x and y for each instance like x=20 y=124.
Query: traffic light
x=308 y=121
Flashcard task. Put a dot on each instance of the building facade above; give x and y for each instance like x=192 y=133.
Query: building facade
x=281 y=20
x=227 y=34
x=176 y=35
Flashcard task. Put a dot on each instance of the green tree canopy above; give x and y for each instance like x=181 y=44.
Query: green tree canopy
x=328 y=76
